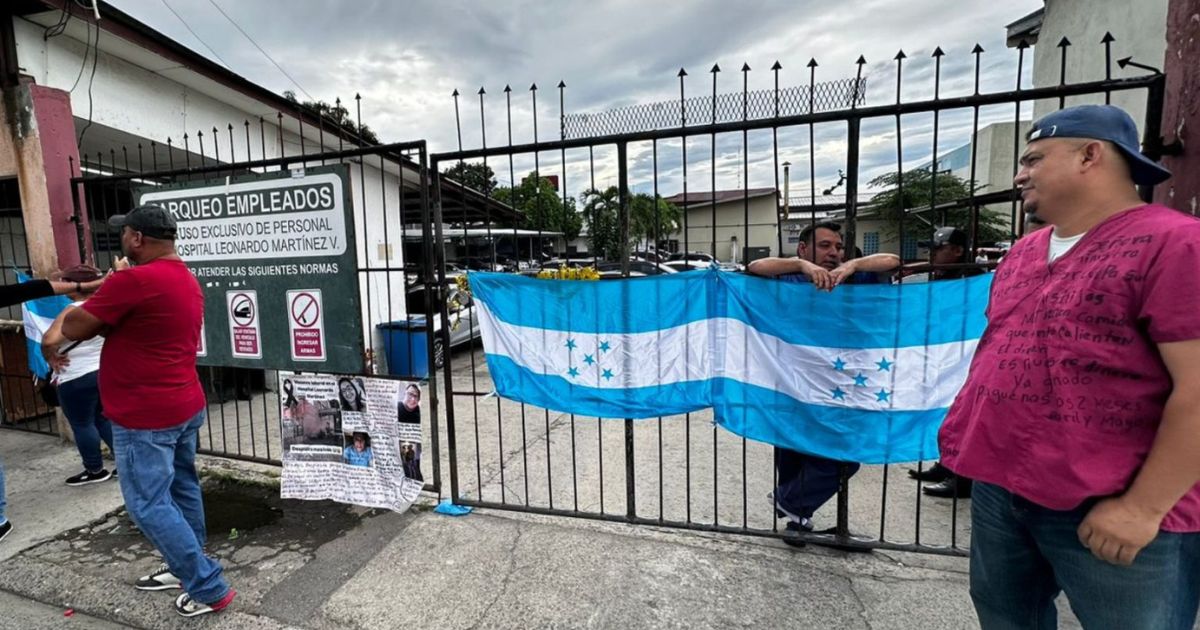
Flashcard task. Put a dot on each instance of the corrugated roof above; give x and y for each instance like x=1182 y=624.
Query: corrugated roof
x=722 y=196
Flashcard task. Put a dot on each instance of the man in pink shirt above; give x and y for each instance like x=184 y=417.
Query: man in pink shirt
x=1080 y=419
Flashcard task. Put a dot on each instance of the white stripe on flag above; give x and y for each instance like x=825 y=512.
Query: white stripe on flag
x=35 y=325
x=911 y=378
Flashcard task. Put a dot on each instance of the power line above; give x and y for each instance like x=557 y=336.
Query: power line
x=260 y=49
x=91 y=80
x=189 y=29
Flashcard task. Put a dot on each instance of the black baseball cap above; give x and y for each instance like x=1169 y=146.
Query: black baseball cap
x=153 y=221
x=948 y=235
x=1102 y=122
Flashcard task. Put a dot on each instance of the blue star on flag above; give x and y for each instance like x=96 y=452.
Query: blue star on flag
x=587 y=358
x=607 y=374
x=884 y=365
x=570 y=344
x=860 y=380
x=604 y=346
x=573 y=372
x=838 y=394
x=882 y=395
x=839 y=364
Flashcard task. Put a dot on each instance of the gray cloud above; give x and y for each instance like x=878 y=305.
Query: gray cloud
x=406 y=58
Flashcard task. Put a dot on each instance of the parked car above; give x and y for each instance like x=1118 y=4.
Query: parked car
x=642 y=267
x=693 y=256
x=650 y=255
x=464 y=324
x=480 y=264
x=685 y=265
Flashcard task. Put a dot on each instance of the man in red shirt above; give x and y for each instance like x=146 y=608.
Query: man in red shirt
x=1080 y=419
x=150 y=315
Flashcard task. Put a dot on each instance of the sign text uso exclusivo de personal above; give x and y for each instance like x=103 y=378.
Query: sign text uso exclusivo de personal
x=300 y=199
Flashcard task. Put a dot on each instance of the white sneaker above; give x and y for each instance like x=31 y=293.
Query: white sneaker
x=160 y=580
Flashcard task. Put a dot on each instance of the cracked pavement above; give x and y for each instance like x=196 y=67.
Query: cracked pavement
x=326 y=566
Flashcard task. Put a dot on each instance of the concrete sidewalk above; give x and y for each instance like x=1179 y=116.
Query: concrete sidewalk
x=322 y=565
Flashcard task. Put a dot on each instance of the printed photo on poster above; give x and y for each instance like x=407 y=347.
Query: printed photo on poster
x=352 y=394
x=408 y=413
x=310 y=419
x=351 y=439
x=358 y=450
x=410 y=454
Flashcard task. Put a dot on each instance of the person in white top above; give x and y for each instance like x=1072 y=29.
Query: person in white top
x=76 y=367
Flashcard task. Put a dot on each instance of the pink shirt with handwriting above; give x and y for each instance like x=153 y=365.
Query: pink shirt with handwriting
x=1067 y=388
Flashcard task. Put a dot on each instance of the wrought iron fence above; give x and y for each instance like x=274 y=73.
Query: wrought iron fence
x=390 y=209
x=682 y=471
x=679 y=471
x=730 y=106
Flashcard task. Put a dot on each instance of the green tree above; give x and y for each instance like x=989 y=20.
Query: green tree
x=542 y=206
x=335 y=114
x=601 y=212
x=475 y=175
x=649 y=216
x=918 y=186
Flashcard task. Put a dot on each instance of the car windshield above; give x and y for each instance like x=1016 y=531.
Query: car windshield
x=415 y=300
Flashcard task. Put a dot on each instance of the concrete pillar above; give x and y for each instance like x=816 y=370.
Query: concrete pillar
x=1181 y=112
x=36 y=147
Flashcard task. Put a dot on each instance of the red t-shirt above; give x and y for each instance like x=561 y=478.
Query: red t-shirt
x=1067 y=388
x=148 y=376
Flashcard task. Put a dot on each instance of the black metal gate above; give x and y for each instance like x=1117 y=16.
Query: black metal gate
x=681 y=471
x=391 y=210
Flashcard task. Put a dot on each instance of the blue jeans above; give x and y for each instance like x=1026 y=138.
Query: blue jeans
x=1023 y=555
x=162 y=493
x=80 y=399
x=806 y=482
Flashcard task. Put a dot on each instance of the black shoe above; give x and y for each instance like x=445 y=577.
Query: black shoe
x=953 y=487
x=935 y=474
x=85 y=477
x=5 y=530
x=792 y=529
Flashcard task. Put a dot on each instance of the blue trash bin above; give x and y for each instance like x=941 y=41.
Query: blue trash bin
x=405 y=345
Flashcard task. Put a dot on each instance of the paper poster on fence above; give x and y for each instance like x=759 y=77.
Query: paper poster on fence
x=351 y=439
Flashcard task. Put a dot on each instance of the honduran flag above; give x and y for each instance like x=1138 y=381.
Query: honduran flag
x=864 y=373
x=39 y=315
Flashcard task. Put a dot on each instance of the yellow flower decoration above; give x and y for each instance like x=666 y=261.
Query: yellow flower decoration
x=569 y=273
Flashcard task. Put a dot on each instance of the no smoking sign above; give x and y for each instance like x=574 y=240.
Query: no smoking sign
x=306 y=321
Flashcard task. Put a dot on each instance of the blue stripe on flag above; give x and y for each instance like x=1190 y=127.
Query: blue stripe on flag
x=847 y=434
x=841 y=433
x=556 y=392
x=851 y=316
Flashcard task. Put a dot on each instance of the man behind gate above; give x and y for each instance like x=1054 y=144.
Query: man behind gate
x=1080 y=419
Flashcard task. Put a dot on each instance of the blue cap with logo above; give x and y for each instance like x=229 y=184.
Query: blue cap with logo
x=1102 y=122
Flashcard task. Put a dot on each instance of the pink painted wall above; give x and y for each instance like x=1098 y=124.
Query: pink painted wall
x=56 y=131
x=1181 y=112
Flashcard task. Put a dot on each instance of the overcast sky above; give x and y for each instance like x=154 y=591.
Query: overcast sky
x=406 y=58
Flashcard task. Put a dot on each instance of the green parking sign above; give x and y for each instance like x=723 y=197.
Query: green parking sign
x=275 y=256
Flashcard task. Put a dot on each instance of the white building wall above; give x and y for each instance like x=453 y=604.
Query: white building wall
x=731 y=228
x=1139 y=28
x=146 y=98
